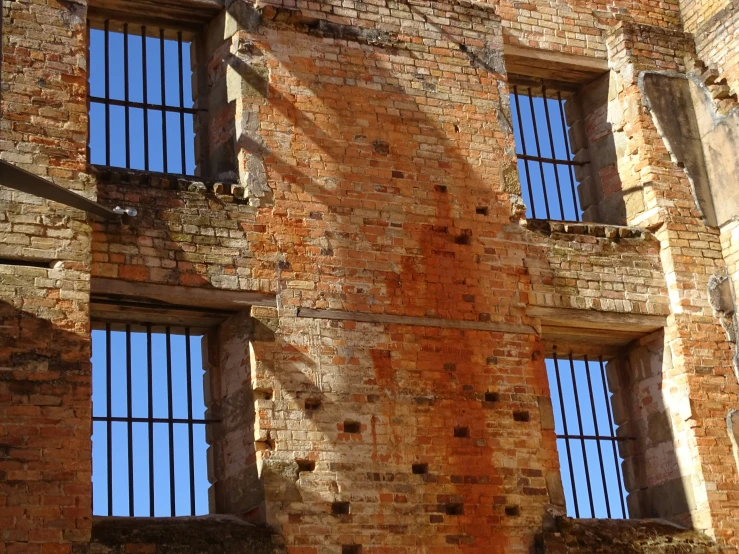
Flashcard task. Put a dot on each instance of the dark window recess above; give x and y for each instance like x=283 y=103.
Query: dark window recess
x=545 y=163
x=148 y=443
x=141 y=107
x=586 y=438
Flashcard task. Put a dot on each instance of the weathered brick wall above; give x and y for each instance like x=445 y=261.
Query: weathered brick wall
x=187 y=232
x=595 y=267
x=715 y=24
x=700 y=384
x=45 y=493
x=621 y=536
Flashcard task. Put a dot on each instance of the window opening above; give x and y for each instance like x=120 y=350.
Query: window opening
x=545 y=163
x=149 y=446
x=587 y=438
x=141 y=103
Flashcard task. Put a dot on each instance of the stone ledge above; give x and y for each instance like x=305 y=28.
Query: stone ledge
x=184 y=535
x=166 y=181
x=611 y=232
x=622 y=536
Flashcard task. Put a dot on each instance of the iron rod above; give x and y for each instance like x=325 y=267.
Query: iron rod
x=150 y=106
x=582 y=442
x=567 y=442
x=551 y=145
x=125 y=95
x=546 y=160
x=610 y=427
x=538 y=153
x=569 y=155
x=107 y=92
x=164 y=102
x=109 y=411
x=181 y=73
x=160 y=420
x=129 y=411
x=171 y=425
x=189 y=425
x=145 y=96
x=597 y=443
x=150 y=411
x=523 y=146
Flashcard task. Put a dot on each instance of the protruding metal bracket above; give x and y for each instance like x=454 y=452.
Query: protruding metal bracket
x=24 y=181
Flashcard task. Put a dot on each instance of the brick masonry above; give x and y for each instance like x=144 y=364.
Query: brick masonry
x=363 y=164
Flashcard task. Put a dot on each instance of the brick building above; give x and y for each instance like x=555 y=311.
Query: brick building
x=377 y=308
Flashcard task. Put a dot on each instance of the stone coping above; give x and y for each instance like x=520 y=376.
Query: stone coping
x=602 y=230
x=202 y=534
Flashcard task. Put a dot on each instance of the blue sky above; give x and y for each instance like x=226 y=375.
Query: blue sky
x=136 y=94
x=557 y=148
x=588 y=427
x=139 y=400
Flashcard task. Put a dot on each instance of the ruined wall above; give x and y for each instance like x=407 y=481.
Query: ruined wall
x=398 y=389
x=714 y=24
x=595 y=267
x=45 y=493
x=187 y=232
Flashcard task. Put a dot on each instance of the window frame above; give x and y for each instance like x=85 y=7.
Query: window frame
x=161 y=27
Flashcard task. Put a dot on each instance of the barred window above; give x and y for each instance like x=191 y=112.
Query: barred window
x=141 y=104
x=149 y=419
x=546 y=165
x=587 y=439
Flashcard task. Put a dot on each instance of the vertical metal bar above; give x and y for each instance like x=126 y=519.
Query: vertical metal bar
x=569 y=155
x=129 y=411
x=551 y=145
x=610 y=432
x=538 y=153
x=189 y=417
x=125 y=95
x=109 y=399
x=107 y=92
x=144 y=72
x=164 y=101
x=567 y=441
x=87 y=53
x=597 y=441
x=582 y=441
x=181 y=74
x=523 y=146
x=171 y=425
x=150 y=378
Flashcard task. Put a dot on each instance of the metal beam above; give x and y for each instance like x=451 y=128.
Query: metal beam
x=24 y=181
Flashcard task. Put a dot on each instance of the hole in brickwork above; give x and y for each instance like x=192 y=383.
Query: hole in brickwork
x=450 y=367
x=482 y=210
x=521 y=416
x=463 y=239
x=455 y=509
x=312 y=403
x=305 y=465
x=462 y=432
x=352 y=427
x=351 y=549
x=512 y=511
x=381 y=147
x=46 y=264
x=440 y=188
x=398 y=175
x=340 y=508
x=262 y=394
x=420 y=469
x=456 y=128
x=492 y=396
